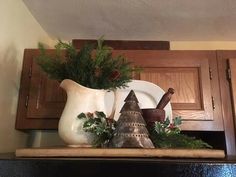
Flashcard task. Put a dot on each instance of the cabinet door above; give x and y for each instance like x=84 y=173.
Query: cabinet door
x=192 y=74
x=41 y=100
x=225 y=60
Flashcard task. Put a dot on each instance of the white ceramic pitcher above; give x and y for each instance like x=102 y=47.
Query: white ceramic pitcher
x=79 y=99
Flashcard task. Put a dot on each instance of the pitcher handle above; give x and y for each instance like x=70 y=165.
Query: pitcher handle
x=113 y=110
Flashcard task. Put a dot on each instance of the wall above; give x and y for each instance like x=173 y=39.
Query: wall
x=18 y=30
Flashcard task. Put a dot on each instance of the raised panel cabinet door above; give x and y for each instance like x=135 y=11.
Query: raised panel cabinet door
x=190 y=73
x=185 y=81
x=41 y=100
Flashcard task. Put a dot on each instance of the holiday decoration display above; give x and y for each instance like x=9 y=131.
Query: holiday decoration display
x=86 y=75
x=131 y=131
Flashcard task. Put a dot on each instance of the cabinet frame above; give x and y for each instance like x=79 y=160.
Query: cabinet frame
x=226 y=99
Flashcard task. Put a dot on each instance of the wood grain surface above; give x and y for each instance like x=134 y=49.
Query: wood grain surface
x=114 y=152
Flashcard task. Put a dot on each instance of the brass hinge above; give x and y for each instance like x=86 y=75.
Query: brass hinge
x=229 y=74
x=213 y=103
x=210 y=73
x=26 y=101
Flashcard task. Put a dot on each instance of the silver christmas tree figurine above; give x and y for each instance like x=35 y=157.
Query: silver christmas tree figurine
x=131 y=131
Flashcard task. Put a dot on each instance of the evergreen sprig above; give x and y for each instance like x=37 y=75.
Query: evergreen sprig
x=99 y=71
x=168 y=135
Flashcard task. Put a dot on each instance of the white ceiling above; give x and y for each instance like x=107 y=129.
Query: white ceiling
x=174 y=20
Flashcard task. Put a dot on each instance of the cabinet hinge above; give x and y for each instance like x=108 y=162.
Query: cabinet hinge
x=210 y=73
x=229 y=74
x=26 y=101
x=30 y=72
x=213 y=103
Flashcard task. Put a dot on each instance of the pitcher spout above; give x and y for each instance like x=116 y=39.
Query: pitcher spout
x=67 y=84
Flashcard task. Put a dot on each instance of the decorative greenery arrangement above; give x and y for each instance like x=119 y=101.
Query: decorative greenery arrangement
x=163 y=134
x=167 y=135
x=90 y=67
x=99 y=125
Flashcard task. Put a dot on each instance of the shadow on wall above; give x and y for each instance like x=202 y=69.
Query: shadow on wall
x=9 y=86
x=44 y=138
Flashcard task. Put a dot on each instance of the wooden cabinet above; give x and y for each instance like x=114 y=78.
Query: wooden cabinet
x=202 y=89
x=193 y=75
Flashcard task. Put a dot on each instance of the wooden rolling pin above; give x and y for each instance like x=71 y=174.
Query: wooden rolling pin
x=165 y=99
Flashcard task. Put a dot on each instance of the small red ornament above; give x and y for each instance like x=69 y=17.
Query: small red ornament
x=114 y=75
x=90 y=115
x=172 y=126
x=97 y=72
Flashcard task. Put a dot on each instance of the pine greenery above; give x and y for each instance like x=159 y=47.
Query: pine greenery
x=178 y=141
x=93 y=67
x=167 y=135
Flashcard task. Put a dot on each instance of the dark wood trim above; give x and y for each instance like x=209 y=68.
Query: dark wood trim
x=127 y=45
x=215 y=91
x=226 y=103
